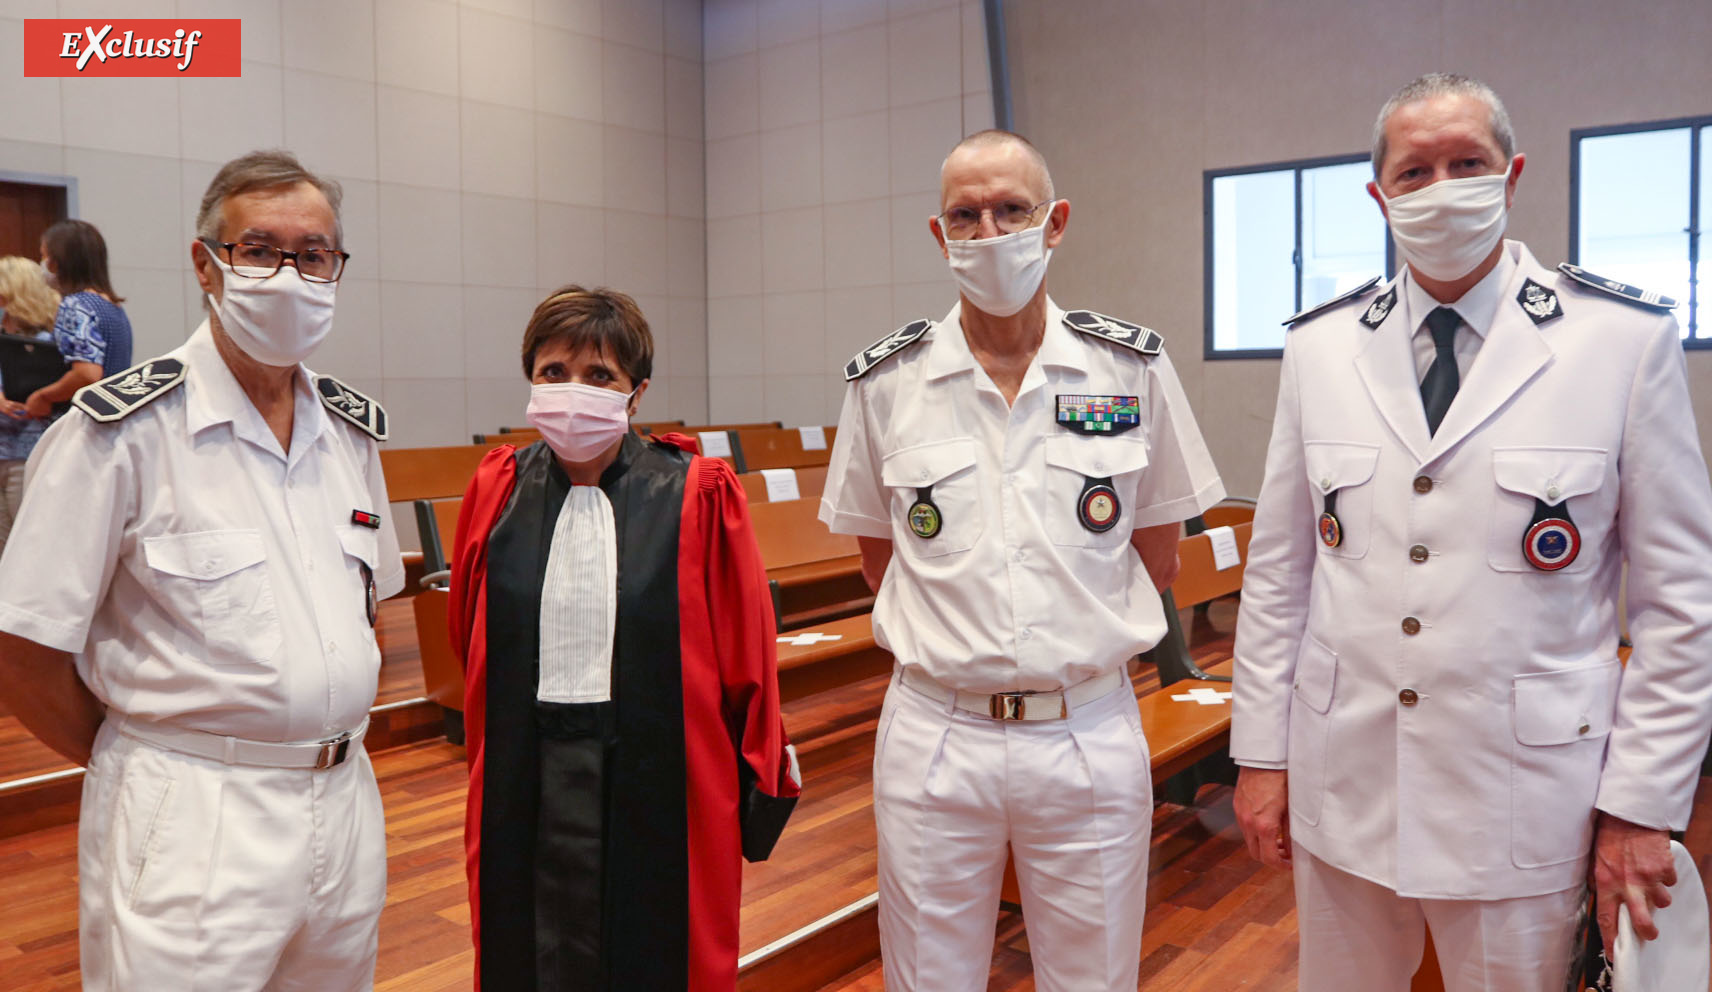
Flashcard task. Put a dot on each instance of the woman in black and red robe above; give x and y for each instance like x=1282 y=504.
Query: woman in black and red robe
x=622 y=707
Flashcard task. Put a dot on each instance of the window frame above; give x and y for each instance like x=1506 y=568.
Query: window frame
x=1296 y=167
x=1696 y=298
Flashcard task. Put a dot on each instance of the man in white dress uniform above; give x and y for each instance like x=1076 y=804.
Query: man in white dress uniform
x=1435 y=728
x=187 y=606
x=1017 y=474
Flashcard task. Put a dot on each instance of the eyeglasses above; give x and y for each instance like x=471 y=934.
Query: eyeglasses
x=1011 y=216
x=255 y=261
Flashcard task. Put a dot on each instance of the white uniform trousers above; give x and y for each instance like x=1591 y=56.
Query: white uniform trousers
x=197 y=876
x=1356 y=934
x=1071 y=798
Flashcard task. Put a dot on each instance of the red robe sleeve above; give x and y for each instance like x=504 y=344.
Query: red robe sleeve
x=489 y=492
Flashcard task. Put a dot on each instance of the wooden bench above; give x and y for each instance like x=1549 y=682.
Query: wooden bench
x=810 y=483
x=779 y=448
x=414 y=474
x=816 y=574
x=828 y=655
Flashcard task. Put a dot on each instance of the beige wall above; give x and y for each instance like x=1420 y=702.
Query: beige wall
x=490 y=151
x=1132 y=100
x=826 y=125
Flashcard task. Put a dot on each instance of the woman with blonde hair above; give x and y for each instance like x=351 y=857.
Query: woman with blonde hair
x=30 y=306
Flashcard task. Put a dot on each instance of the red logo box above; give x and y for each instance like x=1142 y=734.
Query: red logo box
x=133 y=47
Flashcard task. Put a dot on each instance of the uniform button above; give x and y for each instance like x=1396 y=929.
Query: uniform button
x=1025 y=633
x=1411 y=626
x=1423 y=484
x=1408 y=697
x=1326 y=483
x=1552 y=492
x=924 y=475
x=1418 y=553
x=1583 y=729
x=1020 y=555
x=332 y=648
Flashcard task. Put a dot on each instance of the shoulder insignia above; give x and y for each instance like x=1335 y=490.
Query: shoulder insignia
x=1621 y=290
x=1380 y=308
x=352 y=406
x=1538 y=302
x=1325 y=305
x=1132 y=336
x=118 y=396
x=870 y=357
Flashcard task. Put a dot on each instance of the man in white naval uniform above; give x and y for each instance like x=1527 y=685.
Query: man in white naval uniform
x=1435 y=727
x=187 y=606
x=1016 y=474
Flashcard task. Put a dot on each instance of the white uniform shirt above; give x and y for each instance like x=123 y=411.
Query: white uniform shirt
x=200 y=575
x=1013 y=593
x=1478 y=308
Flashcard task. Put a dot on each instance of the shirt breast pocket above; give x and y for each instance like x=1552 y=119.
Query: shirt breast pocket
x=1558 y=477
x=216 y=583
x=1077 y=513
x=1345 y=468
x=943 y=474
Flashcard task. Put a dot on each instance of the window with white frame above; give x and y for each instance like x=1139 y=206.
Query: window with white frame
x=1282 y=237
x=1639 y=210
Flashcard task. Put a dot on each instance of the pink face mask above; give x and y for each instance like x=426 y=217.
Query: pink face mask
x=578 y=422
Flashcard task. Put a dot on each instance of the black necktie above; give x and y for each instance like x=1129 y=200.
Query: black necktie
x=1439 y=387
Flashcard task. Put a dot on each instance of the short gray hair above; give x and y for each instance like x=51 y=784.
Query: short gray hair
x=999 y=136
x=265 y=169
x=1435 y=84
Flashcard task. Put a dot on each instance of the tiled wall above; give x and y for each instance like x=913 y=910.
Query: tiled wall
x=490 y=151
x=826 y=126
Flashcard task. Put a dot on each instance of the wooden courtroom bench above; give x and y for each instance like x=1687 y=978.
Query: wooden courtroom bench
x=780 y=448
x=427 y=474
x=817 y=574
x=810 y=483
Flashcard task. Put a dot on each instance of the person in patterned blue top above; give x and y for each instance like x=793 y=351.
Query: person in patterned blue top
x=29 y=310
x=91 y=330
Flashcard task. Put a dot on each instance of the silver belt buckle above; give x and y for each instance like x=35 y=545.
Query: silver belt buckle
x=333 y=752
x=1007 y=705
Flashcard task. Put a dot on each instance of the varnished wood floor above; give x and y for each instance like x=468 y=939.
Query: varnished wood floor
x=1216 y=921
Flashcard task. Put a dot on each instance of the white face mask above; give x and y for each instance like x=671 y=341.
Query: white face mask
x=578 y=421
x=1447 y=229
x=279 y=320
x=1000 y=275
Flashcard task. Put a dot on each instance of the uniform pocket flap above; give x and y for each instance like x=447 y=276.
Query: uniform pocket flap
x=1549 y=474
x=926 y=464
x=209 y=554
x=360 y=543
x=1336 y=464
x=1567 y=706
x=1097 y=457
x=1316 y=675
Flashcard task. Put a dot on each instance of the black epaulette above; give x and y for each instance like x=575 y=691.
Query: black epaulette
x=1337 y=300
x=1132 y=336
x=118 y=396
x=870 y=357
x=353 y=406
x=1621 y=290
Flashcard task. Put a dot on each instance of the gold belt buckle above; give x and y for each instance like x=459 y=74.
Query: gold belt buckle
x=1007 y=705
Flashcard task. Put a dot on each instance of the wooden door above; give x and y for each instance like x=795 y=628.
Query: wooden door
x=27 y=210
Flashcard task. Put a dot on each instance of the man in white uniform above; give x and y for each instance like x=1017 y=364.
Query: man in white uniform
x=187 y=606
x=1016 y=473
x=1435 y=727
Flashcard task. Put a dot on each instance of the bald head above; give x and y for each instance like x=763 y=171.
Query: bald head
x=989 y=154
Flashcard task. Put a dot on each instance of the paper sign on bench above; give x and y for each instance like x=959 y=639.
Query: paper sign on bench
x=715 y=444
x=1225 y=553
x=813 y=438
x=781 y=484
x=808 y=638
